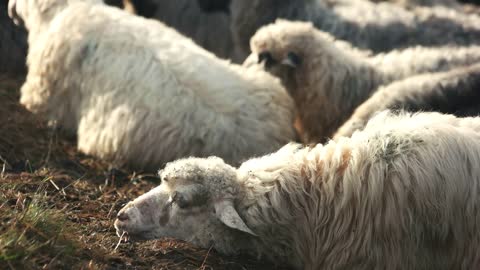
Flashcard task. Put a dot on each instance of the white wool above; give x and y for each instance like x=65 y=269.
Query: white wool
x=135 y=91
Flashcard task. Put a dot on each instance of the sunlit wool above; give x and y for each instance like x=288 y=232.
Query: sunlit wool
x=135 y=91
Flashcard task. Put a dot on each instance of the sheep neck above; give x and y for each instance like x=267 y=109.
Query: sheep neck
x=327 y=97
x=285 y=208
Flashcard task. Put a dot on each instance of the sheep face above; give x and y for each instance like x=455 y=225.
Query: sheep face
x=194 y=203
x=281 y=48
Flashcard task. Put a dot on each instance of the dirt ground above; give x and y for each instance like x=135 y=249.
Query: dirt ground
x=57 y=206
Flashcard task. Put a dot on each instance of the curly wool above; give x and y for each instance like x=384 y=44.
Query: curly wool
x=374 y=201
x=137 y=92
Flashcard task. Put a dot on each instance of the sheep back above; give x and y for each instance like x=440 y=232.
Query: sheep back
x=454 y=92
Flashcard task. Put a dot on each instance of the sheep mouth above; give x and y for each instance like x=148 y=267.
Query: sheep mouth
x=129 y=237
x=126 y=237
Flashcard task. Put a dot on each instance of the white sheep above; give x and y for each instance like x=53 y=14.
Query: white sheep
x=136 y=91
x=376 y=27
x=454 y=92
x=328 y=79
x=415 y=3
x=401 y=194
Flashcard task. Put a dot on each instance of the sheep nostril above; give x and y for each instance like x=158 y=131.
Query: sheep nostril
x=122 y=216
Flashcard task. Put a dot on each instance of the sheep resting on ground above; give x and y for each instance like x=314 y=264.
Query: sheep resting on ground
x=137 y=92
x=328 y=79
x=401 y=194
x=415 y=3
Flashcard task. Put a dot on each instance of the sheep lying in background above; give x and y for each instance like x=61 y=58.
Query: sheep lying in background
x=456 y=92
x=210 y=30
x=415 y=3
x=13 y=44
x=376 y=27
x=328 y=82
x=401 y=194
x=135 y=91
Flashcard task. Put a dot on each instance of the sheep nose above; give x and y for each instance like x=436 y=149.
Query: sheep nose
x=122 y=216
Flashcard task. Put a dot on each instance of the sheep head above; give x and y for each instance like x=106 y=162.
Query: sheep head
x=195 y=203
x=283 y=49
x=37 y=12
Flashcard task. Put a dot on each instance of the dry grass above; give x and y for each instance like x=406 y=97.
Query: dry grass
x=57 y=206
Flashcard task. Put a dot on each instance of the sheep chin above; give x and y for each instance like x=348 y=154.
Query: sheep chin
x=128 y=237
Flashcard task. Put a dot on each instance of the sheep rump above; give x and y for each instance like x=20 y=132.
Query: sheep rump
x=137 y=92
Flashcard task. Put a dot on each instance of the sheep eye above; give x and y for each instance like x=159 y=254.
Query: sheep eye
x=267 y=58
x=294 y=59
x=174 y=196
x=179 y=200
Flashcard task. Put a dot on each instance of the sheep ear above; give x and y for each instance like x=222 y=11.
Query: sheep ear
x=225 y=211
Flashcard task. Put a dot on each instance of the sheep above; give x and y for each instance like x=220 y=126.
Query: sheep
x=377 y=27
x=456 y=92
x=328 y=81
x=211 y=30
x=13 y=44
x=137 y=92
x=415 y=3
x=401 y=194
